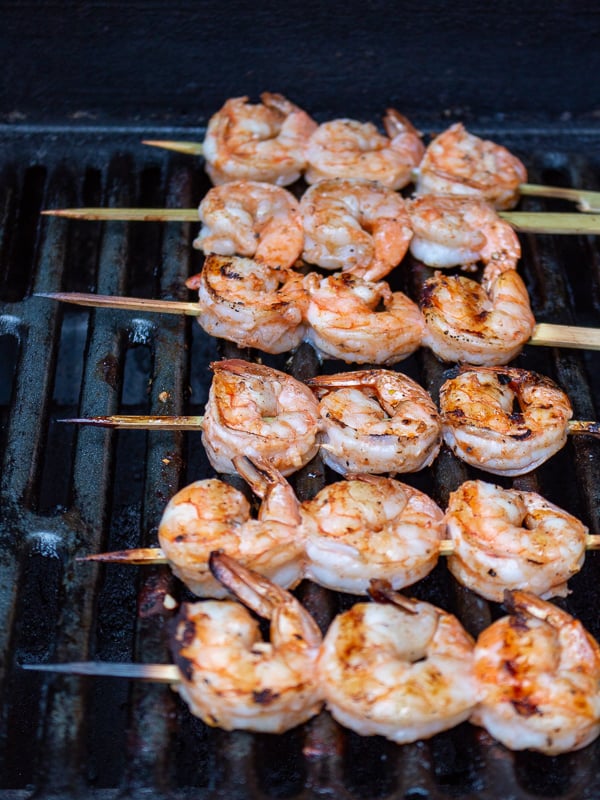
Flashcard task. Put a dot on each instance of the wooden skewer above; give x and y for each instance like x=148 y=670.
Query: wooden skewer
x=158 y=673
x=586 y=201
x=146 y=556
x=189 y=148
x=544 y=334
x=523 y=221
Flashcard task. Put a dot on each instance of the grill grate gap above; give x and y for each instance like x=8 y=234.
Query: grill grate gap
x=21 y=233
x=145 y=238
x=9 y=359
x=84 y=238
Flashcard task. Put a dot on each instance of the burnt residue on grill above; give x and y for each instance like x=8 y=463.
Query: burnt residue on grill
x=69 y=492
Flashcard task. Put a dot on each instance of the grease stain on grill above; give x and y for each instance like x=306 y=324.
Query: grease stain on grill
x=108 y=370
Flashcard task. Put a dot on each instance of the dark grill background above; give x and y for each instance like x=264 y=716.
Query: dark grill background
x=80 y=87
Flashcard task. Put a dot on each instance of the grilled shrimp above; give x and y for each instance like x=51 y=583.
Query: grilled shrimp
x=481 y=425
x=457 y=162
x=456 y=231
x=538 y=677
x=263 y=142
x=477 y=324
x=376 y=421
x=249 y=218
x=346 y=322
x=508 y=539
x=370 y=527
x=259 y=412
x=230 y=677
x=249 y=303
x=345 y=148
x=355 y=225
x=399 y=668
x=210 y=514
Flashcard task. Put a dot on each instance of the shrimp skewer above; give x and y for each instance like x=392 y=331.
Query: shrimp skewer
x=262 y=142
x=457 y=231
x=398 y=668
x=477 y=324
x=260 y=412
x=346 y=320
x=252 y=219
x=538 y=678
x=355 y=225
x=345 y=148
x=509 y=539
x=233 y=679
x=210 y=514
x=369 y=527
x=481 y=425
x=250 y=303
x=376 y=421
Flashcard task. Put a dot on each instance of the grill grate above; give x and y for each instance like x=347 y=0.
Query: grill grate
x=67 y=492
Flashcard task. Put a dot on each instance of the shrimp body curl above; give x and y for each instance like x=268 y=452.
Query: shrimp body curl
x=402 y=669
x=458 y=162
x=233 y=679
x=262 y=142
x=210 y=514
x=250 y=303
x=506 y=421
x=508 y=539
x=376 y=421
x=261 y=412
x=370 y=527
x=538 y=678
x=346 y=148
x=477 y=324
x=254 y=219
x=355 y=225
x=457 y=231
x=360 y=321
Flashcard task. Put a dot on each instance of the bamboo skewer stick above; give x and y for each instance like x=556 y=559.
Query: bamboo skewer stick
x=522 y=221
x=544 y=334
x=157 y=673
x=188 y=148
x=147 y=556
x=586 y=200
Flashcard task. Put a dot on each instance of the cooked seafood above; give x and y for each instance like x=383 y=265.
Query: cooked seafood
x=346 y=148
x=251 y=304
x=458 y=231
x=360 y=321
x=376 y=421
x=458 y=162
x=370 y=527
x=260 y=412
x=262 y=142
x=210 y=514
x=355 y=225
x=399 y=668
x=538 y=678
x=254 y=219
x=509 y=539
x=485 y=324
x=506 y=421
x=233 y=679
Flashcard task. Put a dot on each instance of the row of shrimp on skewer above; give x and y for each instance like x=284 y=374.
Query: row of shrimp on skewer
x=277 y=142
x=502 y=420
x=367 y=527
x=396 y=667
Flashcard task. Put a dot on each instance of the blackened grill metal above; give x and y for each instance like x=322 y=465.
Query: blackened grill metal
x=68 y=492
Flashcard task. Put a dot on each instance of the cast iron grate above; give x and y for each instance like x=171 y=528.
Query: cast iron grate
x=68 y=492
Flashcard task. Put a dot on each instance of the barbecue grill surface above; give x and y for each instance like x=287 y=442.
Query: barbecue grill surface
x=70 y=491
